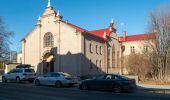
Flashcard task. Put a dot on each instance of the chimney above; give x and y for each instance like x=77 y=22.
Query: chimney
x=124 y=35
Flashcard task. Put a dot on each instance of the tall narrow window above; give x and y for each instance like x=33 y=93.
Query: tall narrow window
x=96 y=63
x=96 y=49
x=100 y=64
x=90 y=46
x=132 y=49
x=101 y=50
x=113 y=56
x=48 y=40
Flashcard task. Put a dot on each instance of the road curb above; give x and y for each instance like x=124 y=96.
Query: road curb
x=154 y=90
x=0 y=78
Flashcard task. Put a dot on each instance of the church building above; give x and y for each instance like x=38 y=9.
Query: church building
x=55 y=45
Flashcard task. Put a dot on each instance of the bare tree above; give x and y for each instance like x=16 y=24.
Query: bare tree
x=138 y=64
x=4 y=41
x=159 y=57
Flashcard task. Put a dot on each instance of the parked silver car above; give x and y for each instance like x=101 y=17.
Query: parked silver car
x=20 y=74
x=57 y=79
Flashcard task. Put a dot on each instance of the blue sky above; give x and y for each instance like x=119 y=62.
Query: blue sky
x=20 y=15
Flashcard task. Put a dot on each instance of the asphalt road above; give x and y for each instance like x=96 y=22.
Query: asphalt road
x=26 y=91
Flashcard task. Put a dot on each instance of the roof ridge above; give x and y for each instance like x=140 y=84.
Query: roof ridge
x=138 y=34
x=74 y=25
x=99 y=29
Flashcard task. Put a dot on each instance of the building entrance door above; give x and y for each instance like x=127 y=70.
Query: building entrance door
x=48 y=65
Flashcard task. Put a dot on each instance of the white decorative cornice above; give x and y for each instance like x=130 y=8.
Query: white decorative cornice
x=49 y=3
x=112 y=20
x=104 y=35
x=39 y=18
x=58 y=13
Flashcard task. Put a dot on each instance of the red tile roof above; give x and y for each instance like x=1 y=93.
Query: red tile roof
x=78 y=29
x=100 y=33
x=135 y=37
x=95 y=33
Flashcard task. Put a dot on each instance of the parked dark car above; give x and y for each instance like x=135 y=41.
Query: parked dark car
x=114 y=82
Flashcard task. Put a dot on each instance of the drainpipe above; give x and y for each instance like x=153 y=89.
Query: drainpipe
x=41 y=68
x=24 y=50
x=59 y=47
x=40 y=45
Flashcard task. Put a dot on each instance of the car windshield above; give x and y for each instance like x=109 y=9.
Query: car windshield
x=29 y=70
x=65 y=74
x=122 y=77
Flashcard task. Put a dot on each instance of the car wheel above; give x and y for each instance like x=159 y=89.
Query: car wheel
x=3 y=79
x=31 y=81
x=37 y=82
x=84 y=86
x=18 y=80
x=71 y=85
x=117 y=88
x=58 y=84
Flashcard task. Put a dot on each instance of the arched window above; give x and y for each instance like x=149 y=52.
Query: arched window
x=48 y=40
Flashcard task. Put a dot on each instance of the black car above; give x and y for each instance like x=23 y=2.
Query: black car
x=114 y=82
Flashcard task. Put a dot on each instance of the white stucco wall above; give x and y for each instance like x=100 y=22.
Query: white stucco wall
x=139 y=46
x=66 y=40
x=70 y=49
x=31 y=52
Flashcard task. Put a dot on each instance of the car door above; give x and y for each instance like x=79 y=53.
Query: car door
x=12 y=75
x=109 y=81
x=54 y=77
x=45 y=79
x=117 y=80
x=98 y=82
x=18 y=72
x=9 y=75
x=50 y=78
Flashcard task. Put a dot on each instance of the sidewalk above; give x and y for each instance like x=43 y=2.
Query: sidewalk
x=165 y=89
